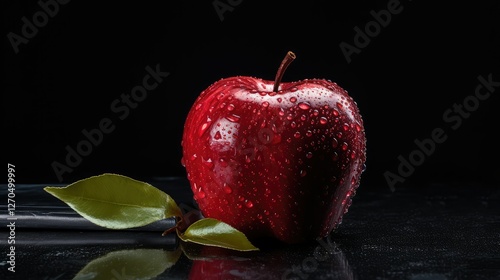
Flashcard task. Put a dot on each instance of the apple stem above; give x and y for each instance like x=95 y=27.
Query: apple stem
x=290 y=56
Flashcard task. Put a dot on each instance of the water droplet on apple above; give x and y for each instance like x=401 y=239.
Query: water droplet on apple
x=345 y=127
x=208 y=163
x=227 y=189
x=335 y=113
x=265 y=104
x=293 y=125
x=249 y=204
x=296 y=134
x=344 y=146
x=303 y=117
x=309 y=155
x=279 y=99
x=353 y=181
x=233 y=118
x=198 y=106
x=303 y=173
x=183 y=162
x=339 y=105
x=304 y=106
x=353 y=155
x=193 y=156
x=323 y=120
x=293 y=99
x=309 y=133
x=217 y=135
x=266 y=212
x=335 y=156
x=204 y=127
x=253 y=91
x=335 y=143
x=230 y=107
x=358 y=127
x=201 y=194
x=294 y=89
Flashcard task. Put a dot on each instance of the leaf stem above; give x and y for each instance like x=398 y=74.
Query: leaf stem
x=170 y=230
x=185 y=221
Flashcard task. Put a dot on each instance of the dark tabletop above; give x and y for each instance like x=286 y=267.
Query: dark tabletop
x=429 y=231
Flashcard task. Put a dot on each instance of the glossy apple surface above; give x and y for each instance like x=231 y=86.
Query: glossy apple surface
x=279 y=160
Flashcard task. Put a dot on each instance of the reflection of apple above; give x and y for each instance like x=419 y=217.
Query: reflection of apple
x=308 y=261
x=274 y=159
x=218 y=263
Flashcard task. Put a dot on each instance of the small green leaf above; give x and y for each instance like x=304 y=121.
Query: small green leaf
x=129 y=264
x=116 y=201
x=213 y=232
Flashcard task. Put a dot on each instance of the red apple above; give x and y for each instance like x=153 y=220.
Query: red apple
x=275 y=160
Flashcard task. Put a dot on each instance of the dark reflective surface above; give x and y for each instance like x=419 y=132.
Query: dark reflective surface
x=447 y=231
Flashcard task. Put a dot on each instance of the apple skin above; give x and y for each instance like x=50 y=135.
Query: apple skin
x=279 y=164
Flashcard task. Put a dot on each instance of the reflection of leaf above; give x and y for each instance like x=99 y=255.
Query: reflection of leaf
x=213 y=232
x=116 y=201
x=129 y=264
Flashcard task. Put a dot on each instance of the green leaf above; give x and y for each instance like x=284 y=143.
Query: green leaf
x=129 y=264
x=116 y=201
x=213 y=232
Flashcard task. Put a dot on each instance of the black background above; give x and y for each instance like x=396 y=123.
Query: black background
x=425 y=60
